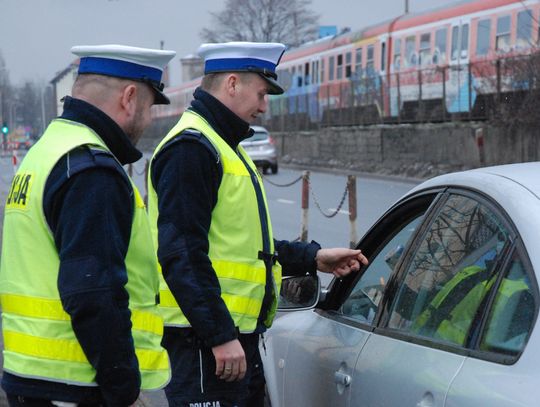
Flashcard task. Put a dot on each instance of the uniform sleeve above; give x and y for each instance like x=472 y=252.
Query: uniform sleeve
x=297 y=258
x=90 y=212
x=186 y=177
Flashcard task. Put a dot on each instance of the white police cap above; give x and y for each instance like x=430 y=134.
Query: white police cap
x=258 y=57
x=138 y=64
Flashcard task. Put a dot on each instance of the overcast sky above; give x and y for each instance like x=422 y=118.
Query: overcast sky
x=36 y=35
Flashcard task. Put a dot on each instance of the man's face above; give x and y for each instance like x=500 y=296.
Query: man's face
x=142 y=118
x=251 y=98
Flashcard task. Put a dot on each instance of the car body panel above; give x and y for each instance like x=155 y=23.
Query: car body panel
x=261 y=149
x=386 y=368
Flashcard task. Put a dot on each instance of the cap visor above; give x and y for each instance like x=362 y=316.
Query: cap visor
x=160 y=98
x=274 y=88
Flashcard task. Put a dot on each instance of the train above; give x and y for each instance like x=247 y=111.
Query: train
x=451 y=62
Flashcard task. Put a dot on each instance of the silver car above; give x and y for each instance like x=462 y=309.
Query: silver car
x=261 y=149
x=444 y=315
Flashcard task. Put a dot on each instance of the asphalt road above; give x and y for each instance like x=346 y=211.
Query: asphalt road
x=374 y=196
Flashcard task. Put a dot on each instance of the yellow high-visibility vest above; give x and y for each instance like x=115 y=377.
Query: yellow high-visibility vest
x=235 y=236
x=38 y=337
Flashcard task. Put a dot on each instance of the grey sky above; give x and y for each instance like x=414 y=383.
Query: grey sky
x=36 y=35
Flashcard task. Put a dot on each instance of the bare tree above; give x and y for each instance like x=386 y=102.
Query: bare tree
x=287 y=21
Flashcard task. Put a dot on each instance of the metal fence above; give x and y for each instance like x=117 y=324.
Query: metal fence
x=455 y=92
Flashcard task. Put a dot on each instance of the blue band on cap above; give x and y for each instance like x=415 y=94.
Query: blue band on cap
x=236 y=64
x=115 y=67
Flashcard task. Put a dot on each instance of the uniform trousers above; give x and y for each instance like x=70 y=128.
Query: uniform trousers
x=194 y=382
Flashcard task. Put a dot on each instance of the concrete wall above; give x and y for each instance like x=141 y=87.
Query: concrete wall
x=420 y=150
x=409 y=150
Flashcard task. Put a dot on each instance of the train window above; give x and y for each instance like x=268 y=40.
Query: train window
x=348 y=61
x=397 y=54
x=322 y=71
x=306 y=74
x=460 y=41
x=425 y=49
x=300 y=76
x=524 y=28
x=331 y=67
x=483 y=36
x=464 y=40
x=314 y=71
x=370 y=60
x=383 y=56
x=455 y=38
x=410 y=51
x=339 y=73
x=502 y=42
x=440 y=46
x=358 y=66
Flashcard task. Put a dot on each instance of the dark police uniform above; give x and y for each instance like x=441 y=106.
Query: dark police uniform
x=189 y=163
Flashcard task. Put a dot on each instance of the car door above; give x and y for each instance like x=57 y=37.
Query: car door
x=432 y=309
x=502 y=370
x=319 y=354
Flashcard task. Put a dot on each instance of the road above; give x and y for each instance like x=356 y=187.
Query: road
x=374 y=196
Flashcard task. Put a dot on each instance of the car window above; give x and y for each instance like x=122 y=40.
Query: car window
x=513 y=312
x=451 y=272
x=363 y=301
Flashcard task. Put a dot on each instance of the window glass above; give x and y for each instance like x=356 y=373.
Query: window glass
x=358 y=66
x=322 y=70
x=410 y=51
x=425 y=49
x=348 y=62
x=502 y=42
x=306 y=74
x=455 y=42
x=525 y=23
x=464 y=40
x=363 y=301
x=440 y=46
x=450 y=273
x=339 y=66
x=512 y=314
x=483 y=37
x=331 y=67
x=370 y=60
x=397 y=54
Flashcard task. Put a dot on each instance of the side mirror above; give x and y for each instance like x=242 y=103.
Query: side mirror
x=299 y=293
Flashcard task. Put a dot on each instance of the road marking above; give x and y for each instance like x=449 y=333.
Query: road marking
x=342 y=211
x=286 y=201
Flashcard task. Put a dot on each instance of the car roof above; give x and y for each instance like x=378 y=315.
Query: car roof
x=514 y=187
x=259 y=129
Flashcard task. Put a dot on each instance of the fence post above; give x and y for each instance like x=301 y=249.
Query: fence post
x=305 y=206
x=479 y=137
x=444 y=93
x=351 y=185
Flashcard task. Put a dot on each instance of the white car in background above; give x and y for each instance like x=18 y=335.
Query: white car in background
x=261 y=149
x=444 y=315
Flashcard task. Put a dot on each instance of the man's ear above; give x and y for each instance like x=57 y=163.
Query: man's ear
x=128 y=99
x=231 y=83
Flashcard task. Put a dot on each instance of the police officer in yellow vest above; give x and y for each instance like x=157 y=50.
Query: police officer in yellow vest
x=220 y=262
x=78 y=277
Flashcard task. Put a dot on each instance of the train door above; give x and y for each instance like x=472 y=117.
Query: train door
x=457 y=80
x=314 y=109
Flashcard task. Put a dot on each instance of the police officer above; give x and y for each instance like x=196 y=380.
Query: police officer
x=221 y=265
x=78 y=276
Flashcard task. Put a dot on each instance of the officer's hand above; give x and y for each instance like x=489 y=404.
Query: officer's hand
x=230 y=361
x=340 y=261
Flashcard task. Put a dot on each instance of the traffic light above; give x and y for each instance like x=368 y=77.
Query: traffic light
x=5 y=128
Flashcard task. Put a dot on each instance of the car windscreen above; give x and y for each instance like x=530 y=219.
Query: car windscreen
x=258 y=136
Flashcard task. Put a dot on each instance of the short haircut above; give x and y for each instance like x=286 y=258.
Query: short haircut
x=211 y=81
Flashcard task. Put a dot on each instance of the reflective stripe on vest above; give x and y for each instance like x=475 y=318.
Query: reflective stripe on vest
x=235 y=236
x=38 y=337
